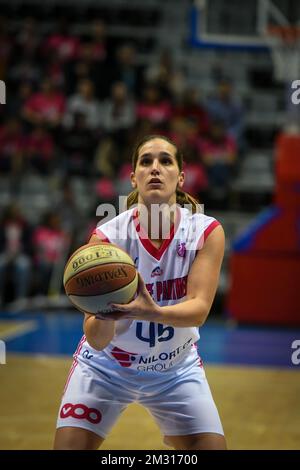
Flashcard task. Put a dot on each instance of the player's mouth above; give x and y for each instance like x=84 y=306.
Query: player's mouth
x=155 y=183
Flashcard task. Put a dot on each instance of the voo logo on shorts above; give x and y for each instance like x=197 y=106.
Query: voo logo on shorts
x=80 y=411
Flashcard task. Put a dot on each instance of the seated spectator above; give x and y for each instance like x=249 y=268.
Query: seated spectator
x=195 y=181
x=86 y=68
x=123 y=183
x=184 y=133
x=97 y=42
x=45 y=107
x=11 y=146
x=78 y=146
x=192 y=109
x=224 y=106
x=125 y=69
x=16 y=248
x=50 y=244
x=84 y=102
x=118 y=119
x=39 y=150
x=54 y=70
x=153 y=108
x=118 y=112
x=71 y=215
x=218 y=153
x=17 y=102
x=25 y=70
x=166 y=76
x=105 y=190
x=66 y=44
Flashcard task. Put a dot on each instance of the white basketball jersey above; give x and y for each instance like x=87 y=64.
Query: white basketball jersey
x=149 y=346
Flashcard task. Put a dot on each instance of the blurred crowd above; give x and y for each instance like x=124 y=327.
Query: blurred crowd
x=76 y=106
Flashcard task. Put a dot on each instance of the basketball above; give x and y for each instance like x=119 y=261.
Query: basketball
x=99 y=273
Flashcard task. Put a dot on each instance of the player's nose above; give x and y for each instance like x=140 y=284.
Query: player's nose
x=155 y=166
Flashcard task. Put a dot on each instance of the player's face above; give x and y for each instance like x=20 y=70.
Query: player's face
x=157 y=174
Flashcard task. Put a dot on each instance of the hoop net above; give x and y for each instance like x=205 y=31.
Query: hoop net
x=284 y=42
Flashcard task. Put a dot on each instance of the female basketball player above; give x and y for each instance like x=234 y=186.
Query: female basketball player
x=145 y=351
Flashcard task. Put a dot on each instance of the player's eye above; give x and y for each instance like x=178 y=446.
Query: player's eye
x=145 y=161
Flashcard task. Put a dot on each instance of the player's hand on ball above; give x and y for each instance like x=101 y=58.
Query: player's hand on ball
x=113 y=315
x=142 y=307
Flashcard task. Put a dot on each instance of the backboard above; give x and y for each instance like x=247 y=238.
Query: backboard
x=239 y=25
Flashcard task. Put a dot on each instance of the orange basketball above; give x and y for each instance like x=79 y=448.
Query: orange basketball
x=97 y=274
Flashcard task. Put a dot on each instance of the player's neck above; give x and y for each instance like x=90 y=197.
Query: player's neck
x=157 y=223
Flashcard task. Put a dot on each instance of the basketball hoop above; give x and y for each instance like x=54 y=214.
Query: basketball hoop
x=284 y=42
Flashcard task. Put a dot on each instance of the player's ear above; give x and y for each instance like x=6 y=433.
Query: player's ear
x=133 y=180
x=180 y=180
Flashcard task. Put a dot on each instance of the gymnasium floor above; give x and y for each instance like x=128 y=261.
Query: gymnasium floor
x=254 y=383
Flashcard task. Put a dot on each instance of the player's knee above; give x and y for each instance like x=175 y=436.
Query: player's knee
x=208 y=442
x=76 y=439
x=204 y=441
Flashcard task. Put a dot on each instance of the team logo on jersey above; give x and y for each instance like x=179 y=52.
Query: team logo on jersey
x=181 y=249
x=80 y=411
x=156 y=272
x=124 y=358
x=86 y=354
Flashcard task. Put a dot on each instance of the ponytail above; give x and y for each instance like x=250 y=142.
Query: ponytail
x=185 y=199
x=132 y=198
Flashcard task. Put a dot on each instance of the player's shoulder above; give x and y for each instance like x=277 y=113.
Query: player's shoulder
x=199 y=218
x=116 y=226
x=197 y=226
x=120 y=219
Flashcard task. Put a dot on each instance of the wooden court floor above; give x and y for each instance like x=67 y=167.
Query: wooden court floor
x=259 y=407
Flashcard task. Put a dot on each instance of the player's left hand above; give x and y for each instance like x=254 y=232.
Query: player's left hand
x=142 y=307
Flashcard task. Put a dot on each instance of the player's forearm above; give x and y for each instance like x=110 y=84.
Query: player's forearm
x=99 y=333
x=192 y=312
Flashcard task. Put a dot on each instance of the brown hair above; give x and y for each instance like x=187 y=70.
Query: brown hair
x=182 y=197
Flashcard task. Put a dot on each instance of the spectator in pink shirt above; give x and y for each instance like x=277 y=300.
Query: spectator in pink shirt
x=185 y=133
x=219 y=153
x=66 y=44
x=50 y=243
x=96 y=43
x=45 y=107
x=54 y=69
x=153 y=109
x=191 y=108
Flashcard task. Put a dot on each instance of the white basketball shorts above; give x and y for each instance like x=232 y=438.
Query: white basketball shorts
x=179 y=400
